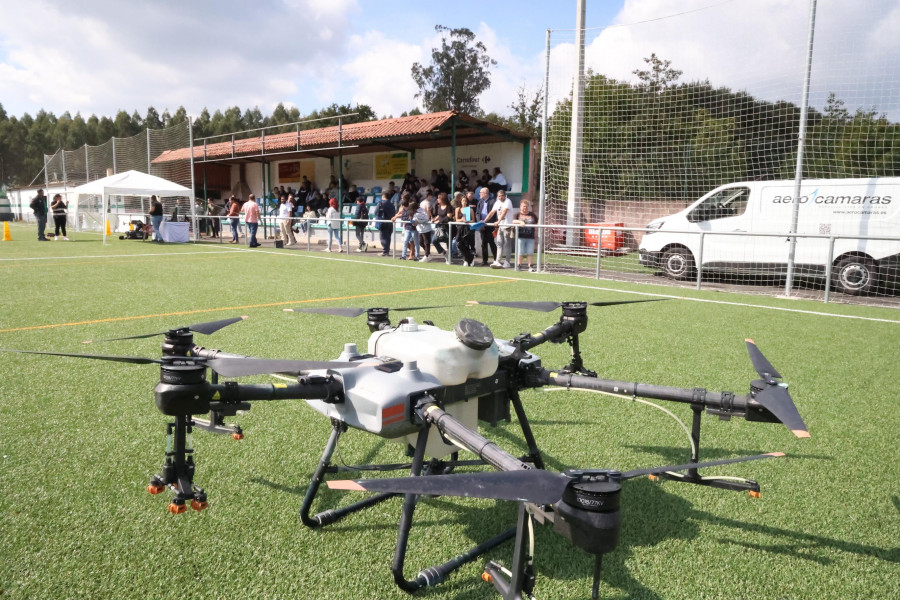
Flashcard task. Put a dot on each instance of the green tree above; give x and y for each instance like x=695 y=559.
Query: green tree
x=126 y=125
x=203 y=124
x=328 y=116
x=152 y=120
x=180 y=116
x=660 y=75
x=459 y=72
x=527 y=111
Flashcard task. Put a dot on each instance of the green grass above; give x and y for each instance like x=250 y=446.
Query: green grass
x=80 y=439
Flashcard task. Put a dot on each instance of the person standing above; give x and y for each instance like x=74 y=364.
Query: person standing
x=234 y=214
x=360 y=222
x=465 y=236
x=285 y=210
x=385 y=212
x=424 y=229
x=525 y=239
x=333 y=220
x=156 y=217
x=503 y=210
x=215 y=211
x=251 y=218
x=483 y=214
x=59 y=216
x=443 y=214
x=39 y=207
x=407 y=215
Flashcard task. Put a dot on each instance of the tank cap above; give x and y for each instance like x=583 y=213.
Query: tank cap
x=474 y=334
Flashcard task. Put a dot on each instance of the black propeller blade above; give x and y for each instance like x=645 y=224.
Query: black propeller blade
x=532 y=485
x=761 y=363
x=242 y=367
x=778 y=401
x=137 y=360
x=551 y=306
x=355 y=311
x=204 y=328
x=775 y=398
x=538 y=306
x=225 y=366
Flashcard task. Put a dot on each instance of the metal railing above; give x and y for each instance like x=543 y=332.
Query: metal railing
x=599 y=259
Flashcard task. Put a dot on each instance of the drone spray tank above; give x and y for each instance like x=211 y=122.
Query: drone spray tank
x=451 y=357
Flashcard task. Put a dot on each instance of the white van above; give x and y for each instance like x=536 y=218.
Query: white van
x=862 y=207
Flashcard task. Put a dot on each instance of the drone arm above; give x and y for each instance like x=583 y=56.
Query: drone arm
x=558 y=332
x=722 y=401
x=470 y=440
x=194 y=399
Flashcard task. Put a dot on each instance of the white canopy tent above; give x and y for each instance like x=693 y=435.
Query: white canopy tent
x=131 y=183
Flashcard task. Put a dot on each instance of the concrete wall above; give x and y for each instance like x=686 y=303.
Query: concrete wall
x=506 y=155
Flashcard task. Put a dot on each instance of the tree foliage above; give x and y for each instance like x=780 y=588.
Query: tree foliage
x=527 y=113
x=661 y=139
x=24 y=141
x=459 y=72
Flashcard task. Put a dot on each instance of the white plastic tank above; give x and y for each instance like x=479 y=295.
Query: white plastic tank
x=438 y=352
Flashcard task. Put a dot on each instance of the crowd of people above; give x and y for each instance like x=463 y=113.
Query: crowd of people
x=478 y=211
x=477 y=215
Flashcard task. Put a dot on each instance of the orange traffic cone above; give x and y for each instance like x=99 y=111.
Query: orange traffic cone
x=6 y=236
x=108 y=232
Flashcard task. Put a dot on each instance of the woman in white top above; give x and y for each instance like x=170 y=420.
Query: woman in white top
x=285 y=210
x=333 y=219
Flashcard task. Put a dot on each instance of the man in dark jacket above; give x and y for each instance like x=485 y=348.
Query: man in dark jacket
x=385 y=211
x=39 y=206
x=485 y=204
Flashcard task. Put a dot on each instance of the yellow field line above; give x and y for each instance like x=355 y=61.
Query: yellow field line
x=205 y=310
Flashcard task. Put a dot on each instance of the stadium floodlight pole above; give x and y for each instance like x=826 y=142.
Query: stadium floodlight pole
x=801 y=142
x=543 y=192
x=190 y=124
x=87 y=179
x=576 y=140
x=62 y=153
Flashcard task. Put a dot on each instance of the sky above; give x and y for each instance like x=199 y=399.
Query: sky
x=100 y=56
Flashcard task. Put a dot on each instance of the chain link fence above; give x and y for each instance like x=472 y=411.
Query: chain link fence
x=67 y=169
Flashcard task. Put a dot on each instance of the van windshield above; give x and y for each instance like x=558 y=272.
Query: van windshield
x=731 y=202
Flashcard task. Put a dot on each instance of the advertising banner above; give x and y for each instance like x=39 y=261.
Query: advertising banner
x=391 y=165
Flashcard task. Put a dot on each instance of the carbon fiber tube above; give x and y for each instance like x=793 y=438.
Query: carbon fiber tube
x=723 y=400
x=472 y=441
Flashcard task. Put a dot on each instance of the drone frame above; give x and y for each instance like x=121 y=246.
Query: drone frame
x=183 y=392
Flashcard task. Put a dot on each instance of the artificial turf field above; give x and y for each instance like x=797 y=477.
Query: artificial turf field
x=81 y=438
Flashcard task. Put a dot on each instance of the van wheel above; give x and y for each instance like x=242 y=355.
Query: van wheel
x=678 y=263
x=855 y=275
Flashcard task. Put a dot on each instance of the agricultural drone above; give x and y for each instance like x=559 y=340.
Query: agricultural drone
x=428 y=388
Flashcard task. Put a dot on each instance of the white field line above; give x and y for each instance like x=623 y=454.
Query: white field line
x=117 y=255
x=473 y=273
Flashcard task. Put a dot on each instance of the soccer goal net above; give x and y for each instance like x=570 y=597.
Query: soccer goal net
x=671 y=109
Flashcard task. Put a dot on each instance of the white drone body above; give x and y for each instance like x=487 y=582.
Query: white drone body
x=403 y=364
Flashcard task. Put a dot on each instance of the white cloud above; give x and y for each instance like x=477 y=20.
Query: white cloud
x=379 y=72
x=757 y=46
x=81 y=56
x=99 y=56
